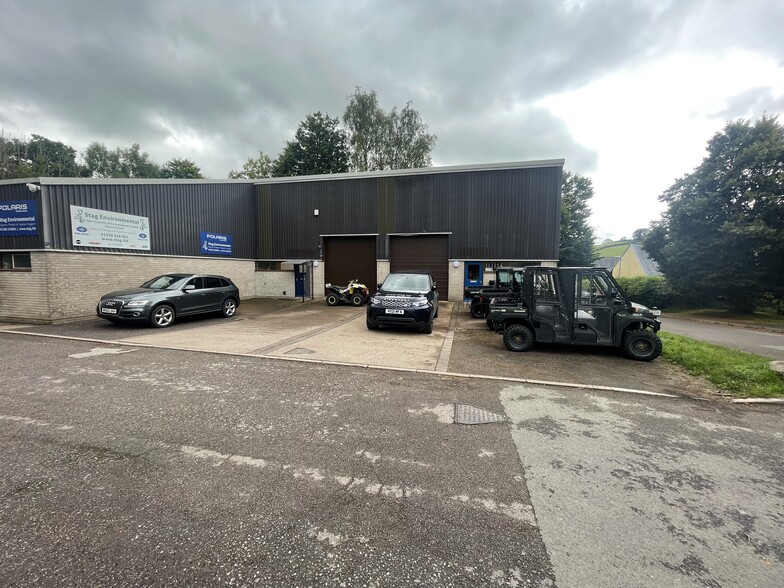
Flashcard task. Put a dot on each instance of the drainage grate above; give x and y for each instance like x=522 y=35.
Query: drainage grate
x=471 y=415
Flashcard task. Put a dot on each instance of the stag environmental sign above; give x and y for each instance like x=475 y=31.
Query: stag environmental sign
x=91 y=227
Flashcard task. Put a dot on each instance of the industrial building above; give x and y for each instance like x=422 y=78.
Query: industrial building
x=65 y=241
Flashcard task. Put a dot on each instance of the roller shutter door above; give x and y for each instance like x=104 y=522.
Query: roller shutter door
x=346 y=258
x=422 y=252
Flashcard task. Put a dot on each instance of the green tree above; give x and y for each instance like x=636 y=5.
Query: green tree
x=577 y=236
x=181 y=169
x=721 y=239
x=319 y=147
x=129 y=162
x=255 y=167
x=38 y=157
x=381 y=140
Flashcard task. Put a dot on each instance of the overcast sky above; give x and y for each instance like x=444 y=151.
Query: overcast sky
x=627 y=92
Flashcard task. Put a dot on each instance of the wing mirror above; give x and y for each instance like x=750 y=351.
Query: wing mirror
x=189 y=287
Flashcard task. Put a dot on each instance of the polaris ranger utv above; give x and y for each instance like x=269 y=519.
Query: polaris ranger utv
x=576 y=306
x=505 y=286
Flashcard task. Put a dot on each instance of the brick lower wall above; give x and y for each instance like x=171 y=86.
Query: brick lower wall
x=24 y=296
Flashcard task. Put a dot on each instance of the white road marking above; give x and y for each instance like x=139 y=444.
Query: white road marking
x=776 y=347
x=100 y=351
x=517 y=511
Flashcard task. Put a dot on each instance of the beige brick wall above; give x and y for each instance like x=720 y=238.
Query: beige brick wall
x=456 y=281
x=24 y=295
x=77 y=280
x=274 y=284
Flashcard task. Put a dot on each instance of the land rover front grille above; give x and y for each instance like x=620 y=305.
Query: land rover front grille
x=396 y=302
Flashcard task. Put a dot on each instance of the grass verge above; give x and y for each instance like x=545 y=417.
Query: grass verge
x=743 y=375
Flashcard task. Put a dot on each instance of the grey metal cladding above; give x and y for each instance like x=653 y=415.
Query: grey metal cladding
x=177 y=213
x=491 y=214
x=497 y=214
x=344 y=207
x=15 y=192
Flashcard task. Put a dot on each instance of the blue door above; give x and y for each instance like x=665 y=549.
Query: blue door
x=473 y=274
x=299 y=282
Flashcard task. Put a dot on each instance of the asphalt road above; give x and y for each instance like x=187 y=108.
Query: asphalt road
x=139 y=467
x=764 y=343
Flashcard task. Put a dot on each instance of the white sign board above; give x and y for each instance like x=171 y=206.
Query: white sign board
x=91 y=227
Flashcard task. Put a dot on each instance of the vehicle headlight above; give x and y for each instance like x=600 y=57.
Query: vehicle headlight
x=375 y=300
x=137 y=303
x=419 y=302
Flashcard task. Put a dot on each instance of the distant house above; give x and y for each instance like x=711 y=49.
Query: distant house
x=626 y=259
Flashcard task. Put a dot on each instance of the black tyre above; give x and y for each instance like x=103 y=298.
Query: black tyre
x=641 y=345
x=436 y=314
x=162 y=316
x=371 y=325
x=428 y=327
x=332 y=299
x=229 y=308
x=357 y=300
x=518 y=338
x=478 y=311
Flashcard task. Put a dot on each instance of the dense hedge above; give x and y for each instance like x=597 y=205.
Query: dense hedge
x=648 y=290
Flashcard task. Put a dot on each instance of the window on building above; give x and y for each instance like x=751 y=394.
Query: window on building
x=267 y=266
x=11 y=260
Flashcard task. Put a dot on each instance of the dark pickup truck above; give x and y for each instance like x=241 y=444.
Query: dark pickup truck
x=576 y=306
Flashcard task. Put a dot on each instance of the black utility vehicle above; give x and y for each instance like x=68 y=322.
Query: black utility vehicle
x=505 y=286
x=160 y=300
x=576 y=306
x=404 y=299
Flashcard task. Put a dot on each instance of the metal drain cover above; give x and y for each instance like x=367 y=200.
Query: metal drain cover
x=471 y=415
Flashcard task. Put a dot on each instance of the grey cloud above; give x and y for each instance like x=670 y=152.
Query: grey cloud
x=244 y=74
x=752 y=104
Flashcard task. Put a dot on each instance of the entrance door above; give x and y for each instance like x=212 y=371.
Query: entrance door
x=473 y=275
x=299 y=281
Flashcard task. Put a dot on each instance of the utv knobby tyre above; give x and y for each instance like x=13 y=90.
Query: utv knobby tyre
x=518 y=338
x=641 y=345
x=357 y=300
x=478 y=311
x=332 y=299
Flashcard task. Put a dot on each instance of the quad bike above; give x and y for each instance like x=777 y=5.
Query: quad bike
x=355 y=294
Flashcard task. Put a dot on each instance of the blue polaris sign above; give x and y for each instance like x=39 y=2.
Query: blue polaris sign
x=18 y=218
x=215 y=244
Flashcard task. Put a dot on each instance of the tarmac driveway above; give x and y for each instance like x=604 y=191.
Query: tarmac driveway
x=311 y=331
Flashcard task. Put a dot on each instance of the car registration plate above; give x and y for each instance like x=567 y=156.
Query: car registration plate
x=109 y=310
x=656 y=312
x=394 y=311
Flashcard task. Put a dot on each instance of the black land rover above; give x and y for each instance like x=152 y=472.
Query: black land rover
x=404 y=299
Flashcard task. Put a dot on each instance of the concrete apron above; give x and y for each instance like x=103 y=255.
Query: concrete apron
x=335 y=334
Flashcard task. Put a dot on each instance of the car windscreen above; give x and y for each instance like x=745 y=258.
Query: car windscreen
x=167 y=282
x=406 y=283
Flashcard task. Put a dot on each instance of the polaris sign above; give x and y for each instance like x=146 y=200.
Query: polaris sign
x=215 y=244
x=18 y=218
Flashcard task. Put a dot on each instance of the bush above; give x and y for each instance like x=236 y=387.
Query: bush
x=648 y=290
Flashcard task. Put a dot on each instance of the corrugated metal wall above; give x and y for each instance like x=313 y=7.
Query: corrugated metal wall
x=12 y=192
x=177 y=213
x=491 y=214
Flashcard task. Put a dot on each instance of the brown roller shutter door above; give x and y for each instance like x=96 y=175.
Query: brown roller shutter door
x=346 y=258
x=422 y=252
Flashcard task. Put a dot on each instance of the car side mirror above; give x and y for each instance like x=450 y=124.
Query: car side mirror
x=435 y=287
x=189 y=287
x=378 y=285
